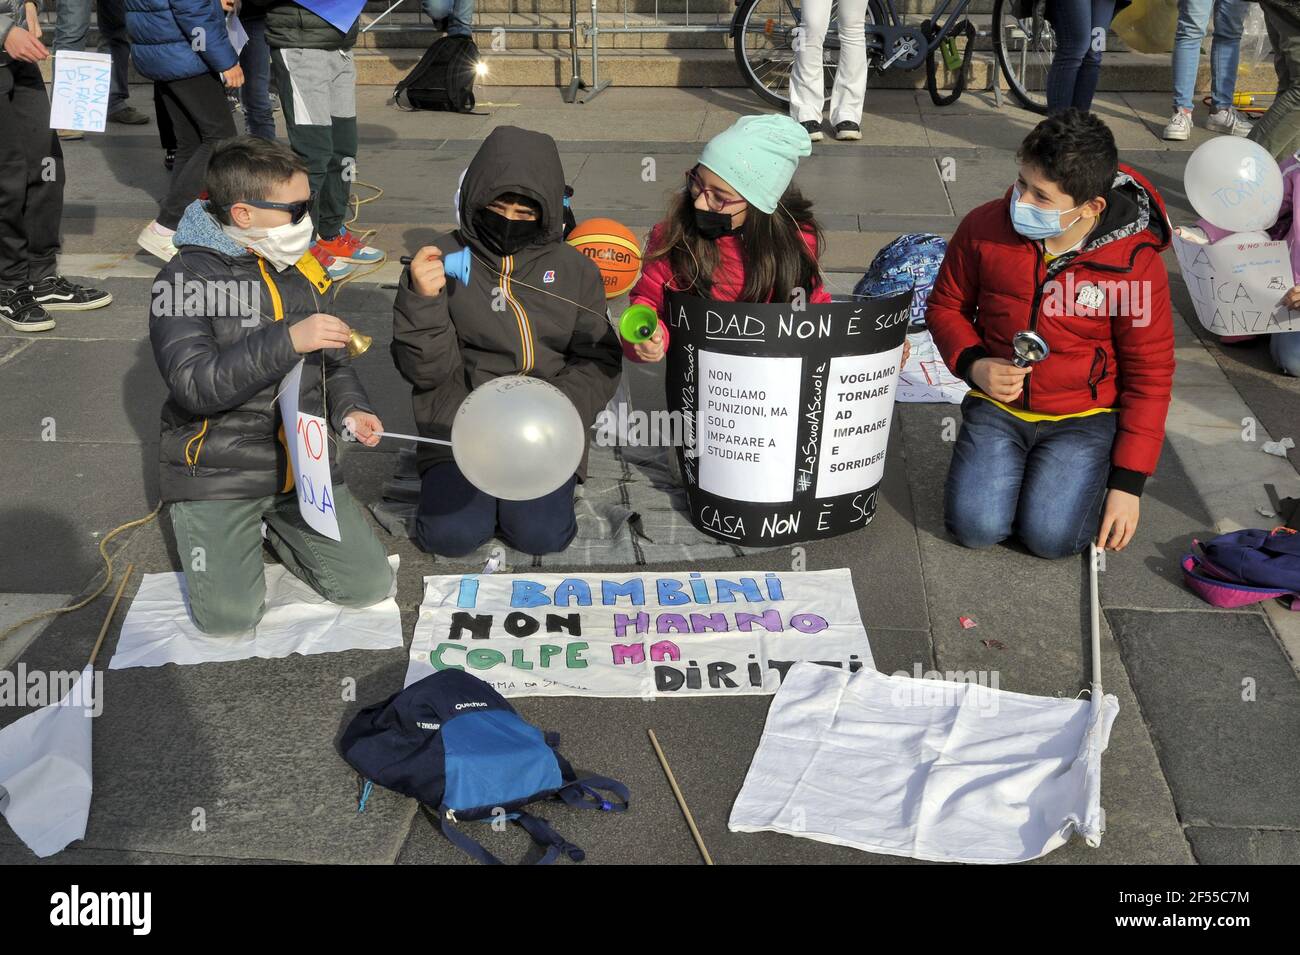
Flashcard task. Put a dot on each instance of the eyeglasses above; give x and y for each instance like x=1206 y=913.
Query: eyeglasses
x=296 y=210
x=714 y=198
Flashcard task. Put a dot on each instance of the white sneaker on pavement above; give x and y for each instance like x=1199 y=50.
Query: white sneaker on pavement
x=1180 y=127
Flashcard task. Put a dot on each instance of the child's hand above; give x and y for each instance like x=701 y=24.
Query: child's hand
x=1119 y=519
x=999 y=378
x=652 y=349
x=1292 y=298
x=319 y=331
x=907 y=353
x=21 y=45
x=428 y=277
x=364 y=426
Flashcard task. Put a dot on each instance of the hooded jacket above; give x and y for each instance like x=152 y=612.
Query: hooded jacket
x=165 y=37
x=447 y=345
x=223 y=362
x=1111 y=347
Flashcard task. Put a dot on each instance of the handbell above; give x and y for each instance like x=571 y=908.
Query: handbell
x=358 y=343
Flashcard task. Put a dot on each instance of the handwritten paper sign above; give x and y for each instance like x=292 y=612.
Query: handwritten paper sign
x=309 y=452
x=670 y=635
x=80 y=96
x=785 y=413
x=1237 y=287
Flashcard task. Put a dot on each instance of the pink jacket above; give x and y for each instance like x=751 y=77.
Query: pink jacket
x=728 y=280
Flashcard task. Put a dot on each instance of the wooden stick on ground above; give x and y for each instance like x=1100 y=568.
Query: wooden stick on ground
x=681 y=800
x=111 y=610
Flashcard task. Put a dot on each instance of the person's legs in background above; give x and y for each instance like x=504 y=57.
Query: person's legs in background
x=808 y=78
x=114 y=40
x=255 y=59
x=1193 y=19
x=1065 y=484
x=544 y=525
x=197 y=109
x=1072 y=23
x=72 y=25
x=1085 y=82
x=166 y=132
x=1278 y=130
x=1285 y=349
x=984 y=478
x=1225 y=55
x=336 y=192
x=455 y=17
x=851 y=76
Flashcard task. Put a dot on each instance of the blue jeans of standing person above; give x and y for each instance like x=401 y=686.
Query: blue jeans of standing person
x=1041 y=481
x=255 y=94
x=455 y=517
x=70 y=34
x=459 y=15
x=1072 y=78
x=1285 y=349
x=1225 y=49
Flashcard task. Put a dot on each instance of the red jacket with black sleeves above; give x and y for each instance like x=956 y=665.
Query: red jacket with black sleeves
x=1111 y=346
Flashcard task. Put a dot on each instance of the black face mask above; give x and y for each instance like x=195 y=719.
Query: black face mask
x=505 y=236
x=713 y=225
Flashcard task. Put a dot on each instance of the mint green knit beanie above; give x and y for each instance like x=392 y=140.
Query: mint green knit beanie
x=757 y=157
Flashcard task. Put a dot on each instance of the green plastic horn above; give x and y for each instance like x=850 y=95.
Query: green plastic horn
x=638 y=323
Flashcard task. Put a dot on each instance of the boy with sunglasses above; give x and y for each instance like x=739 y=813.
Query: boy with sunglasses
x=233 y=312
x=1056 y=451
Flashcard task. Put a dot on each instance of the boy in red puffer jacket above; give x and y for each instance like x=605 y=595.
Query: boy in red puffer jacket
x=1058 y=451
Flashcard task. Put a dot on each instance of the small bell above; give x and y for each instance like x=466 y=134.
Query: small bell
x=358 y=343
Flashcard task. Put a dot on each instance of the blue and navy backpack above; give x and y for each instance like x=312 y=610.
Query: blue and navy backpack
x=456 y=745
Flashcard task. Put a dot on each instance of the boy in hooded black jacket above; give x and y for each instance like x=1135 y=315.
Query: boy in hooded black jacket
x=448 y=339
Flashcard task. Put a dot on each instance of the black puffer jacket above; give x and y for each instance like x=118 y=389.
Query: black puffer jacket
x=448 y=345
x=292 y=26
x=220 y=426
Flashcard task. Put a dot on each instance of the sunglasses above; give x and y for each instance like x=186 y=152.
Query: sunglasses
x=713 y=197
x=296 y=210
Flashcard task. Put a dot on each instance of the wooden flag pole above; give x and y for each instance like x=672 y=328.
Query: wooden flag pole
x=681 y=800
x=103 y=631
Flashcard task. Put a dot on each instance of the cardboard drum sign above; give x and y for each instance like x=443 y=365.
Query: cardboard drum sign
x=785 y=413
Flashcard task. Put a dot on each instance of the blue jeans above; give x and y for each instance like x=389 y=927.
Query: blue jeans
x=459 y=14
x=1225 y=49
x=1072 y=78
x=455 y=517
x=1285 y=349
x=255 y=94
x=70 y=34
x=1041 y=481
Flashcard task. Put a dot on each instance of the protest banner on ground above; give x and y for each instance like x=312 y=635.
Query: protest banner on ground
x=1237 y=287
x=673 y=634
x=785 y=412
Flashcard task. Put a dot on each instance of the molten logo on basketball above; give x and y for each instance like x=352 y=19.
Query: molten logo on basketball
x=614 y=249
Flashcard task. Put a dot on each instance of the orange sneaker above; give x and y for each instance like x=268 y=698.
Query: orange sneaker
x=346 y=247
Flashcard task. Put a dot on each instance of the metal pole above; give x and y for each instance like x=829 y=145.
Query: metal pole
x=575 y=65
x=597 y=85
x=382 y=15
x=1094 y=556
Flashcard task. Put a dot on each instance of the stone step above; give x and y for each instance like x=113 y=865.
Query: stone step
x=709 y=8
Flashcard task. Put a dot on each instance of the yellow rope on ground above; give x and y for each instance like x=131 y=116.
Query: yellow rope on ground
x=108 y=576
x=364 y=235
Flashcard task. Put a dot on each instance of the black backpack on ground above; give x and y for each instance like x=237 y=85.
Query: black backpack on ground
x=444 y=77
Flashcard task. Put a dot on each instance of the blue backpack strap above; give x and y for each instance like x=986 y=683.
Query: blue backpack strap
x=585 y=793
x=538 y=829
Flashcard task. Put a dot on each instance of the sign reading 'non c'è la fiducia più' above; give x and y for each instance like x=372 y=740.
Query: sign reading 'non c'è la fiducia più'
x=785 y=412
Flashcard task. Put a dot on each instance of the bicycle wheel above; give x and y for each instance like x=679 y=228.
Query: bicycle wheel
x=763 y=41
x=1025 y=46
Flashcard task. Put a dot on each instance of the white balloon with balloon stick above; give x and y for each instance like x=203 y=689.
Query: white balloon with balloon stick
x=1234 y=184
x=517 y=438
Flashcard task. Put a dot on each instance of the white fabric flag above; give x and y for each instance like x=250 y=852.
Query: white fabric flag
x=932 y=769
x=158 y=629
x=45 y=780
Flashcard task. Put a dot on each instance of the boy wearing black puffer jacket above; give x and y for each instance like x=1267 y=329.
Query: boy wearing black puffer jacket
x=240 y=304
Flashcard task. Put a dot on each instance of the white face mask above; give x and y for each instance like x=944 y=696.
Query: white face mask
x=282 y=245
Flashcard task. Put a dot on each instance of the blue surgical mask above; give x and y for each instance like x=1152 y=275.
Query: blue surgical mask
x=1033 y=222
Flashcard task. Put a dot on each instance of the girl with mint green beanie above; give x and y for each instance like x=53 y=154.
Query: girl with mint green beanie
x=739 y=230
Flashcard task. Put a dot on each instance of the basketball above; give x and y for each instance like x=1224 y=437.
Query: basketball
x=614 y=249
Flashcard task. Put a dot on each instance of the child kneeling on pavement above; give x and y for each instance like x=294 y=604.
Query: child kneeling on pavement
x=533 y=306
x=1057 y=452
x=241 y=303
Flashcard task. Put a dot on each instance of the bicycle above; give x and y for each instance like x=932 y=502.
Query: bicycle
x=764 y=33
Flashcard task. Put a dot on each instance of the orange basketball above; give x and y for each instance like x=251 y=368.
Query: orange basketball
x=614 y=249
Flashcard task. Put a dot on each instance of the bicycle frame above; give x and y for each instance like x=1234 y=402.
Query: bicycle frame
x=895 y=34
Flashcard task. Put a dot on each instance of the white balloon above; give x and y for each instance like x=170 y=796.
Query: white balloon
x=1234 y=183
x=517 y=438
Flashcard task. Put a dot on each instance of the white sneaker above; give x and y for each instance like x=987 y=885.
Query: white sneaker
x=1228 y=120
x=1180 y=127
x=156 y=242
